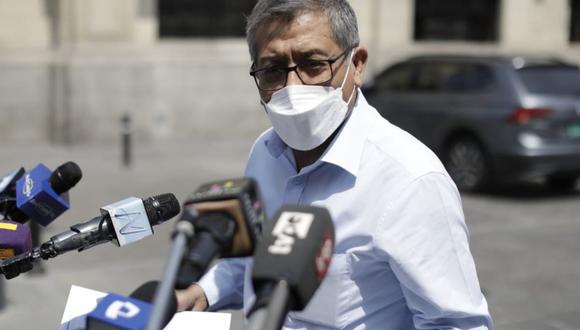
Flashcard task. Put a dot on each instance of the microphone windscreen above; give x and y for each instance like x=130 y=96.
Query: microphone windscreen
x=161 y=208
x=64 y=177
x=146 y=293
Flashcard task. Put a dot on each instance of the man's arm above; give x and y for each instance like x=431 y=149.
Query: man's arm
x=425 y=239
x=220 y=288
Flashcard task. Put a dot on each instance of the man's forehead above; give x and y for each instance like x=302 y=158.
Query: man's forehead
x=307 y=33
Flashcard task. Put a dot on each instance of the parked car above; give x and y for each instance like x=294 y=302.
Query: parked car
x=488 y=118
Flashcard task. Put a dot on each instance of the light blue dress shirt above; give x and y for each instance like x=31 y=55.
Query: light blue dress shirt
x=402 y=258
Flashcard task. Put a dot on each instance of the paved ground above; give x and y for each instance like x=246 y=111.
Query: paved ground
x=525 y=240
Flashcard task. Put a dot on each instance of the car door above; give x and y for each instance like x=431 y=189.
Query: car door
x=392 y=95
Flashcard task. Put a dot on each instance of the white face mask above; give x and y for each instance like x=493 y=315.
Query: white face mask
x=304 y=116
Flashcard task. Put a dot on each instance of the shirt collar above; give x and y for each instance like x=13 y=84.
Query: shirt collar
x=345 y=150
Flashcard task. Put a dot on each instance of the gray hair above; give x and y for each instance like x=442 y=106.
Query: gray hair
x=341 y=17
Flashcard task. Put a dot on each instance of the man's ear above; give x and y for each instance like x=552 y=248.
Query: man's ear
x=359 y=60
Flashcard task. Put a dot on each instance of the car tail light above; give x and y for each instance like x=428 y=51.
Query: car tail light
x=524 y=115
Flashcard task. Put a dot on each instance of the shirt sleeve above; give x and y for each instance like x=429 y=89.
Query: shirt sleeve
x=424 y=236
x=223 y=284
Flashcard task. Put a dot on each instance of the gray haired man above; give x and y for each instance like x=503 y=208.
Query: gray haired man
x=402 y=258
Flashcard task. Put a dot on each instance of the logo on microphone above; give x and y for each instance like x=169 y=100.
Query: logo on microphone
x=324 y=256
x=124 y=309
x=131 y=218
x=28 y=185
x=290 y=225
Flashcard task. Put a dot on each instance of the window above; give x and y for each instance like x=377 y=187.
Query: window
x=465 y=78
x=397 y=78
x=436 y=77
x=575 y=20
x=551 y=79
x=471 y=20
x=202 y=18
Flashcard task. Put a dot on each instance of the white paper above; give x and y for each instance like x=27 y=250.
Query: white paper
x=82 y=301
x=200 y=320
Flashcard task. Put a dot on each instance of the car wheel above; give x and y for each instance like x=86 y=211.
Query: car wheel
x=562 y=182
x=467 y=164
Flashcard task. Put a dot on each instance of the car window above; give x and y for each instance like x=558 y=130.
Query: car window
x=435 y=77
x=396 y=78
x=469 y=78
x=453 y=77
x=551 y=79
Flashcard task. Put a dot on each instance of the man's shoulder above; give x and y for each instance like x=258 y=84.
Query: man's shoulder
x=401 y=151
x=262 y=153
x=266 y=135
x=261 y=143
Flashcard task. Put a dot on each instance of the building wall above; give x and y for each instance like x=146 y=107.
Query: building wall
x=535 y=26
x=69 y=77
x=24 y=24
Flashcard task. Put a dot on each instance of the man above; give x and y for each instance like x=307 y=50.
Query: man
x=402 y=259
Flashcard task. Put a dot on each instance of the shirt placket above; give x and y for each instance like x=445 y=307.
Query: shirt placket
x=295 y=189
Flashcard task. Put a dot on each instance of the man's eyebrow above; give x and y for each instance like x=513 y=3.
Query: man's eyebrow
x=267 y=60
x=281 y=59
x=313 y=52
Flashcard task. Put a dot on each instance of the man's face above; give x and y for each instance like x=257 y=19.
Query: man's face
x=283 y=43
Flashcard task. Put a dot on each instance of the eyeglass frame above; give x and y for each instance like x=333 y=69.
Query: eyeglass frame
x=294 y=68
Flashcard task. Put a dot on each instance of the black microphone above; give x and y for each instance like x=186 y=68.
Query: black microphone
x=8 y=196
x=226 y=216
x=122 y=223
x=146 y=293
x=218 y=219
x=290 y=262
x=64 y=177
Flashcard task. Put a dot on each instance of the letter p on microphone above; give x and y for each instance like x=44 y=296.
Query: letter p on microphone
x=118 y=312
x=125 y=309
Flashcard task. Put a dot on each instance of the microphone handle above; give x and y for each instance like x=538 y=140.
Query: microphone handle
x=80 y=237
x=17 y=265
x=166 y=288
x=272 y=315
x=203 y=250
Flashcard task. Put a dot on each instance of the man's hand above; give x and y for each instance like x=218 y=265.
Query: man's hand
x=192 y=298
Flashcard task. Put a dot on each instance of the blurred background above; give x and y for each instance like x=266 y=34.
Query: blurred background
x=78 y=75
x=82 y=65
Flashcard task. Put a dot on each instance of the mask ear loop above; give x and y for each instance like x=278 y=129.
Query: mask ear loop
x=346 y=75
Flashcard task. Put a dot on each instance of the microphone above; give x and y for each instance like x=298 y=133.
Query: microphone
x=146 y=293
x=290 y=262
x=8 y=196
x=15 y=238
x=122 y=223
x=42 y=195
x=226 y=215
x=223 y=216
x=128 y=313
x=8 y=183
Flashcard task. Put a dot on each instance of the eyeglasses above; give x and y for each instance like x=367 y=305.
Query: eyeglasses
x=310 y=72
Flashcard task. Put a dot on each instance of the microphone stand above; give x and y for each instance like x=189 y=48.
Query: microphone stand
x=272 y=316
x=183 y=234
